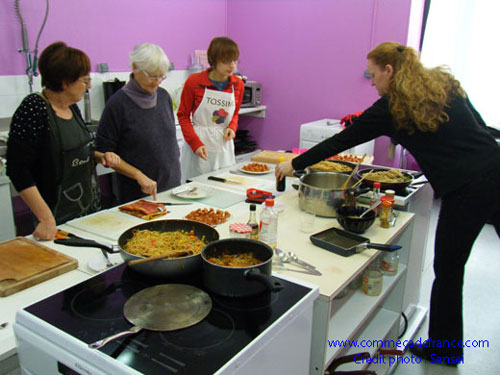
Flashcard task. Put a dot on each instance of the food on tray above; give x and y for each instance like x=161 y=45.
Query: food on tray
x=347 y=157
x=144 y=209
x=256 y=167
x=331 y=166
x=148 y=243
x=235 y=260
x=391 y=176
x=209 y=216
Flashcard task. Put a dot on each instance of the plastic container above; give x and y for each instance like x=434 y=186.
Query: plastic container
x=389 y=264
x=254 y=224
x=268 y=226
x=240 y=230
x=281 y=184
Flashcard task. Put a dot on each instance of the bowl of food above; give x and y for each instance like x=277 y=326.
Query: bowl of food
x=349 y=218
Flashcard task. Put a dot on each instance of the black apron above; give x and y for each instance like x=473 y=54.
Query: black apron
x=77 y=189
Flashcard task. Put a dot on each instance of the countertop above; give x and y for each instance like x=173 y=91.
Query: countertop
x=337 y=271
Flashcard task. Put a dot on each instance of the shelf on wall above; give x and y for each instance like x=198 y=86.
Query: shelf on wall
x=259 y=111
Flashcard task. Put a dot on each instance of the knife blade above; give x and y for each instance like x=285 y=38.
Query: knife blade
x=225 y=180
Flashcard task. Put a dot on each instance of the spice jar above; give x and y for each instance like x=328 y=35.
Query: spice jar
x=240 y=230
x=389 y=264
x=372 y=281
x=385 y=213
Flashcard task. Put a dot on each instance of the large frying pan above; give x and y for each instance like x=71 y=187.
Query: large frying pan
x=161 y=267
x=396 y=186
x=166 y=307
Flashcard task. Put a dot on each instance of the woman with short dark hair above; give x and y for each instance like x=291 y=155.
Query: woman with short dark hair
x=212 y=99
x=50 y=152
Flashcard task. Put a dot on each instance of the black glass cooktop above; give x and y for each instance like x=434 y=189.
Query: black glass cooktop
x=93 y=310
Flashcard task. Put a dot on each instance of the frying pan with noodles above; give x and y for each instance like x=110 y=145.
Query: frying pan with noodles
x=396 y=186
x=170 y=268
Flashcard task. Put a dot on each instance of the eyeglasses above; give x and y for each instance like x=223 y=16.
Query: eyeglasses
x=229 y=62
x=86 y=81
x=154 y=78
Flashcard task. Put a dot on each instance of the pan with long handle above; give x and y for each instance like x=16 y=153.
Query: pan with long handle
x=345 y=243
x=165 y=307
x=168 y=267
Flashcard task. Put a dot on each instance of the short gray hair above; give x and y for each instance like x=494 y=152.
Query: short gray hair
x=150 y=58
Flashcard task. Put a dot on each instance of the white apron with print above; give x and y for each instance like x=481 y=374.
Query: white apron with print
x=210 y=119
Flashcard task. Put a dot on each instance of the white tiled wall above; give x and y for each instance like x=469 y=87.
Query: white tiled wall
x=14 y=88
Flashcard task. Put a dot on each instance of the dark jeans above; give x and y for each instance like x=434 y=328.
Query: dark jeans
x=463 y=214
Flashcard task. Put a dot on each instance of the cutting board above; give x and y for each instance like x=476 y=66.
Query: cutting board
x=107 y=224
x=221 y=199
x=24 y=263
x=272 y=156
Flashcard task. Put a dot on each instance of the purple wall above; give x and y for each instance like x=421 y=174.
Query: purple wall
x=310 y=57
x=107 y=30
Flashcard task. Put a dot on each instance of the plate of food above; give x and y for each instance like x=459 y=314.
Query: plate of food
x=192 y=191
x=255 y=168
x=209 y=216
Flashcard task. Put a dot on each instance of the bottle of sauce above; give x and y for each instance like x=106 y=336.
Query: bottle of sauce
x=281 y=184
x=268 y=226
x=252 y=221
x=385 y=213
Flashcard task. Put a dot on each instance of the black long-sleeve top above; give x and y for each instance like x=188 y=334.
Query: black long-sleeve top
x=455 y=154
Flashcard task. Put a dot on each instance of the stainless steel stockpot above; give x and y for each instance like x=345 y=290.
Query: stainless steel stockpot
x=321 y=192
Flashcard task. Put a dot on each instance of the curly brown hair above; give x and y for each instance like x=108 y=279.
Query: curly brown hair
x=417 y=95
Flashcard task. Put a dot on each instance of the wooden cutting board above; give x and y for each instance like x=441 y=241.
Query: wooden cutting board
x=24 y=263
x=272 y=156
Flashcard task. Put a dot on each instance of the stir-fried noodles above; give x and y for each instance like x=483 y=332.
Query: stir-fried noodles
x=392 y=175
x=149 y=243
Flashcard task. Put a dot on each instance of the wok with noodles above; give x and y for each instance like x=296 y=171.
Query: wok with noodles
x=183 y=240
x=389 y=178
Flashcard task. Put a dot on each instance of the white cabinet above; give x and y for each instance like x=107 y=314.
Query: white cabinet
x=312 y=133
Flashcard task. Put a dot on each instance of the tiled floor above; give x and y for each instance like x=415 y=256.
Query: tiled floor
x=481 y=307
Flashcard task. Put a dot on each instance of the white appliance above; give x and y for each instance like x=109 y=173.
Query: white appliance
x=314 y=132
x=43 y=349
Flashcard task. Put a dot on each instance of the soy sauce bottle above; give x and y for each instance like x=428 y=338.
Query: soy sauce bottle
x=254 y=224
x=281 y=184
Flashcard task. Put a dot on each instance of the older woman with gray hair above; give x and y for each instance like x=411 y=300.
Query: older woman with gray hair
x=138 y=124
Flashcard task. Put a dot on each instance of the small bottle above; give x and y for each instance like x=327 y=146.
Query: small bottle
x=254 y=224
x=372 y=281
x=375 y=197
x=268 y=226
x=385 y=212
x=389 y=195
x=281 y=184
x=389 y=264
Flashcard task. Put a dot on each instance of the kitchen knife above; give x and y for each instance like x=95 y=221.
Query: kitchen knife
x=225 y=180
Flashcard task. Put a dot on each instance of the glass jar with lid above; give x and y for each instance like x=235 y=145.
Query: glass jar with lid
x=240 y=230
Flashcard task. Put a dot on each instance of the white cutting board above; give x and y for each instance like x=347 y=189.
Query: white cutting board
x=107 y=224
